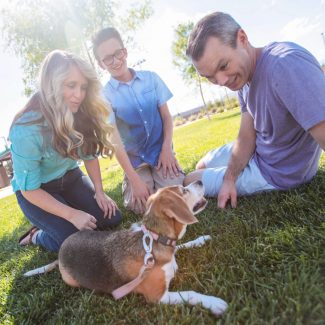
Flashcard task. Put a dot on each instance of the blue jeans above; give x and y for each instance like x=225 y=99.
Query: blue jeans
x=73 y=189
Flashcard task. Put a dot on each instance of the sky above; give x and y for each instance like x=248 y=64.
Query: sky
x=300 y=21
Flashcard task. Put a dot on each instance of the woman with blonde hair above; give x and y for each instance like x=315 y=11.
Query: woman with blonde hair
x=63 y=122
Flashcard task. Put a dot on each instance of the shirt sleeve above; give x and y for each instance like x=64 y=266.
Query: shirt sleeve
x=86 y=157
x=299 y=84
x=162 y=91
x=26 y=152
x=111 y=118
x=242 y=98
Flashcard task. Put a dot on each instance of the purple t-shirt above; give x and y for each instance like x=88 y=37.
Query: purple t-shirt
x=285 y=98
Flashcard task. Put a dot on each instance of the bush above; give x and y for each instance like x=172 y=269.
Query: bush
x=192 y=117
x=179 y=120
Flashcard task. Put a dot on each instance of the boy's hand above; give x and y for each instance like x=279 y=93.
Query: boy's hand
x=168 y=163
x=140 y=193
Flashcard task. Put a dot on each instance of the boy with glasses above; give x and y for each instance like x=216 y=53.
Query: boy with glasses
x=139 y=102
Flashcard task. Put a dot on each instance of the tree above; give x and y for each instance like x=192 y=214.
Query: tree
x=182 y=62
x=33 y=28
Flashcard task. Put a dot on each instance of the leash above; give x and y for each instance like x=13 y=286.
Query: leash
x=148 y=263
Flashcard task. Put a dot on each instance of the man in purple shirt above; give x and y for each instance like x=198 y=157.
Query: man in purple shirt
x=281 y=90
x=143 y=122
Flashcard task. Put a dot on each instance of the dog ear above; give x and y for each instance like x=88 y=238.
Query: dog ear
x=184 y=216
x=149 y=202
x=177 y=208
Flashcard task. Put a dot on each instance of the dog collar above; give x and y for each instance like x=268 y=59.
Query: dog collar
x=167 y=241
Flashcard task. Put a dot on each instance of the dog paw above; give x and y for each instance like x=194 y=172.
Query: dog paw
x=200 y=241
x=217 y=305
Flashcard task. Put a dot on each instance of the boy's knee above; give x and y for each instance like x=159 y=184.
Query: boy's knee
x=134 y=207
x=193 y=177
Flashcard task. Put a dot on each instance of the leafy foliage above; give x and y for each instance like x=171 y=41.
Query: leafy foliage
x=33 y=28
x=181 y=61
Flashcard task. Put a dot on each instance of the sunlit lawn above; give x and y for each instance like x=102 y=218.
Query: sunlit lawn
x=266 y=259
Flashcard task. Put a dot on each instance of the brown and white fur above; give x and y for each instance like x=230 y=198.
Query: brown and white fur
x=104 y=261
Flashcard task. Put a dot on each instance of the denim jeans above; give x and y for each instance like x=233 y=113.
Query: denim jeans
x=73 y=189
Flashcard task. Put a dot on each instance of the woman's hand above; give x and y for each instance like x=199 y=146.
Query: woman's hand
x=106 y=204
x=82 y=220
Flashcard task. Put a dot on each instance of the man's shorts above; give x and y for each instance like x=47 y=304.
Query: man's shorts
x=250 y=181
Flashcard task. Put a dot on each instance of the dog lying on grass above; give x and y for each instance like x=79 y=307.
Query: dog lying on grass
x=142 y=259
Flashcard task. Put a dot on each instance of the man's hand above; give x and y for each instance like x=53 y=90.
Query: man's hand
x=106 y=204
x=227 y=192
x=140 y=193
x=168 y=163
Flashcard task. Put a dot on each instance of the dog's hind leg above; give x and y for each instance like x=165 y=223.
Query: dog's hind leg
x=198 y=242
x=67 y=278
x=216 y=305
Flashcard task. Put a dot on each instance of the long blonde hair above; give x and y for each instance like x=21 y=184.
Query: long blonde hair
x=87 y=129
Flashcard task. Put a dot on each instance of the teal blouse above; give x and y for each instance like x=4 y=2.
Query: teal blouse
x=34 y=160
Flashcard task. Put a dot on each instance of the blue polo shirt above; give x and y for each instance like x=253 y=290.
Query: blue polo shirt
x=137 y=116
x=34 y=160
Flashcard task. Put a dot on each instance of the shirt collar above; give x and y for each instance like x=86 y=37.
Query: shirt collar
x=115 y=83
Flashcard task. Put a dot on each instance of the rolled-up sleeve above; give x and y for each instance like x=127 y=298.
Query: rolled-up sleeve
x=26 y=152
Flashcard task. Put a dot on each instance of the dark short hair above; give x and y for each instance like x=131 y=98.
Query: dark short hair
x=104 y=35
x=217 y=24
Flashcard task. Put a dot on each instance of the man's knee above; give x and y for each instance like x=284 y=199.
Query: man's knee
x=193 y=177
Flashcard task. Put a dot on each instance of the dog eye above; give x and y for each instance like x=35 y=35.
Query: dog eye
x=185 y=190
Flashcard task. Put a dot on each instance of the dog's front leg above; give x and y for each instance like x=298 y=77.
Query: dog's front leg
x=200 y=241
x=216 y=305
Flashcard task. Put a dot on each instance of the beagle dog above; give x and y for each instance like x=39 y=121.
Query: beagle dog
x=142 y=259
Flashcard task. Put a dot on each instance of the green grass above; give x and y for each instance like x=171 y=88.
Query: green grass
x=266 y=259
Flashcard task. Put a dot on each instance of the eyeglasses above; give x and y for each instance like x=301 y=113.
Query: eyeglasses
x=118 y=54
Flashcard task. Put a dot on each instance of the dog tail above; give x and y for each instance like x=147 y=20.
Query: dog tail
x=43 y=269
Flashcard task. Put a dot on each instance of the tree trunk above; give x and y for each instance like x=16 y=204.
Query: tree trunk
x=204 y=104
x=228 y=101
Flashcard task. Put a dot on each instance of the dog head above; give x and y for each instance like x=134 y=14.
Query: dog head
x=172 y=208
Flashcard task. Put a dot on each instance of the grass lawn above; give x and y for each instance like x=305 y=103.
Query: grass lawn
x=266 y=258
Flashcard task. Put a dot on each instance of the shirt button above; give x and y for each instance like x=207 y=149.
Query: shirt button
x=140 y=109
x=142 y=156
x=25 y=171
x=145 y=122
